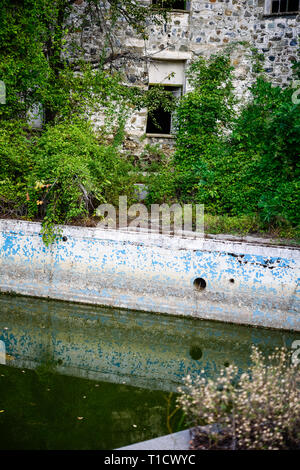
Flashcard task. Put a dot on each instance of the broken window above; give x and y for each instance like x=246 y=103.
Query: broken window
x=160 y=121
x=170 y=75
x=284 y=6
x=173 y=4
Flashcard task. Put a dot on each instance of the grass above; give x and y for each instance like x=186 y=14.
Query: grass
x=250 y=225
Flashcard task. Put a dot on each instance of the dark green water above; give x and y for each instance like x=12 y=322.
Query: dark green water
x=82 y=377
x=40 y=410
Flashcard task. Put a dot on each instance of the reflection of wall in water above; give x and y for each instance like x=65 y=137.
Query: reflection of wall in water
x=152 y=351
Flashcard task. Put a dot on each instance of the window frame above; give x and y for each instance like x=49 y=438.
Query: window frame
x=268 y=10
x=159 y=133
x=187 y=7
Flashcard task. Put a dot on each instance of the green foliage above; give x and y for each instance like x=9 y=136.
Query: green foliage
x=151 y=158
x=281 y=203
x=169 y=4
x=66 y=171
x=14 y=149
x=15 y=156
x=73 y=173
x=43 y=62
x=242 y=165
x=162 y=187
x=237 y=225
x=201 y=117
x=241 y=225
x=257 y=167
x=61 y=175
x=267 y=133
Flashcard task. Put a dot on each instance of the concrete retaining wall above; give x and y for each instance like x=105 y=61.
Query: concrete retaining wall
x=243 y=283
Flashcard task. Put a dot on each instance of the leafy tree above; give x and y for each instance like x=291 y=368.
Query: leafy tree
x=237 y=165
x=43 y=61
x=267 y=134
x=73 y=173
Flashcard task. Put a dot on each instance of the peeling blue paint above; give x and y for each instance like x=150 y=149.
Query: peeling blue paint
x=244 y=284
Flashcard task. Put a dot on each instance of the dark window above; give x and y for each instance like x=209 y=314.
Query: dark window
x=285 y=6
x=160 y=121
x=173 y=4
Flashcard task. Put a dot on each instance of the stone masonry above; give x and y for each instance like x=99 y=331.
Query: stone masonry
x=205 y=28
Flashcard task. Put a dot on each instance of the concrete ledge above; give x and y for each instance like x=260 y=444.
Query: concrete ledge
x=177 y=441
x=236 y=281
x=161 y=136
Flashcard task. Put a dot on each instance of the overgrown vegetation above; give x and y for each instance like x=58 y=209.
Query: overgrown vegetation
x=240 y=165
x=43 y=56
x=61 y=175
x=62 y=172
x=259 y=410
x=243 y=165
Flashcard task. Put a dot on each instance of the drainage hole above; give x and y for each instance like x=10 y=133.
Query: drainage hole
x=64 y=239
x=231 y=280
x=199 y=283
x=226 y=364
x=196 y=353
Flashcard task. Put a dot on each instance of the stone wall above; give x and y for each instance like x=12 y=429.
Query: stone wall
x=277 y=38
x=208 y=27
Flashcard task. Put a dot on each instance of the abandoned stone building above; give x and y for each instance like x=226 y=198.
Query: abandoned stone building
x=200 y=28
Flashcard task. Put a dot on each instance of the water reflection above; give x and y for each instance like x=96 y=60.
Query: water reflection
x=133 y=348
x=102 y=377
x=43 y=410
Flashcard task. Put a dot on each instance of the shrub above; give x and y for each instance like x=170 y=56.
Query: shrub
x=73 y=173
x=15 y=156
x=162 y=186
x=268 y=132
x=201 y=118
x=241 y=225
x=151 y=158
x=238 y=165
x=258 y=410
